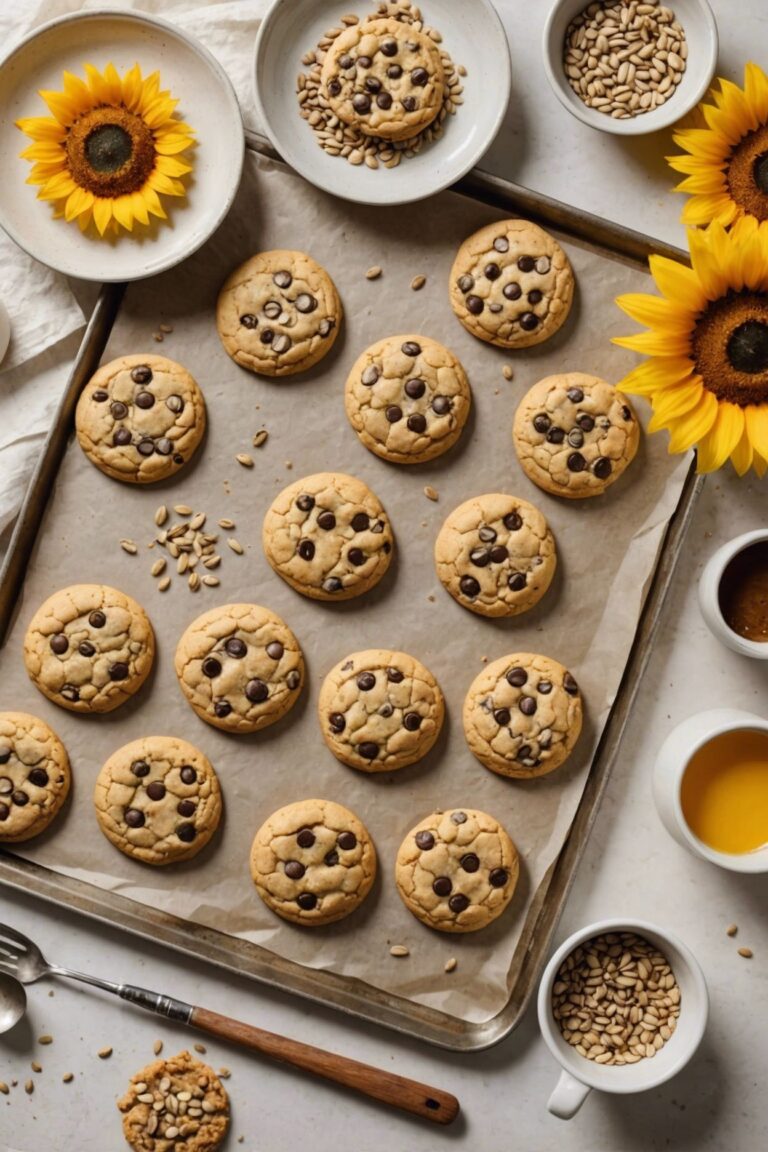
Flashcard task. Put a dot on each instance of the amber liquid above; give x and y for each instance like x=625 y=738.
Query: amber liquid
x=724 y=793
x=743 y=593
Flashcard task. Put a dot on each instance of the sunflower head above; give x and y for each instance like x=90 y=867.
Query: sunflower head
x=110 y=149
x=707 y=343
x=726 y=162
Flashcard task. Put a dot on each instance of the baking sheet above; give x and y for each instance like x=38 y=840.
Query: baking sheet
x=607 y=549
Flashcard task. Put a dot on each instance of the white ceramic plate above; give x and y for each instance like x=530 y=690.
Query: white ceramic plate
x=206 y=101
x=473 y=35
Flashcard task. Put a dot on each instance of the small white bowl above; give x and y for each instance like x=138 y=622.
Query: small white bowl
x=701 y=35
x=709 y=596
x=673 y=758
x=580 y=1075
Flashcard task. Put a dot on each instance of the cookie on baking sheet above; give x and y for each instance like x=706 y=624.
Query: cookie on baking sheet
x=574 y=434
x=140 y=418
x=313 y=862
x=511 y=284
x=158 y=800
x=278 y=313
x=457 y=870
x=178 y=1103
x=496 y=555
x=408 y=398
x=385 y=78
x=522 y=715
x=380 y=710
x=328 y=536
x=89 y=648
x=34 y=776
x=240 y=667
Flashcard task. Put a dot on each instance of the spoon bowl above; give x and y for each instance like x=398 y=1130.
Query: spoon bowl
x=13 y=1002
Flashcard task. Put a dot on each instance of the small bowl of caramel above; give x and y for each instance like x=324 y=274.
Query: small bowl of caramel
x=733 y=594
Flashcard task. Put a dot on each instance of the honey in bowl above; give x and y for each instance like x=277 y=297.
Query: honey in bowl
x=724 y=793
x=743 y=593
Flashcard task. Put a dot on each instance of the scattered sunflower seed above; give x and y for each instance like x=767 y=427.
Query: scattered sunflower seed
x=161 y=515
x=235 y=545
x=164 y=584
x=226 y=523
x=159 y=566
x=197 y=521
x=507 y=372
x=260 y=438
x=4 y=1088
x=451 y=964
x=45 y=1039
x=430 y=493
x=104 y=1053
x=224 y=1073
x=35 y=1066
x=129 y=546
x=193 y=580
x=244 y=459
x=165 y=327
x=418 y=283
x=157 y=1047
x=732 y=929
x=211 y=581
x=747 y=953
x=29 y=1087
x=158 y=336
x=68 y=1077
x=200 y=1048
x=373 y=273
x=183 y=509
x=212 y=561
x=399 y=950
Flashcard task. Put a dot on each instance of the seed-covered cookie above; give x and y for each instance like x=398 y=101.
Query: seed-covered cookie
x=511 y=284
x=408 y=398
x=176 y=1104
x=240 y=667
x=457 y=870
x=158 y=800
x=328 y=536
x=575 y=434
x=89 y=648
x=385 y=78
x=313 y=862
x=140 y=418
x=278 y=313
x=522 y=715
x=496 y=555
x=380 y=710
x=34 y=776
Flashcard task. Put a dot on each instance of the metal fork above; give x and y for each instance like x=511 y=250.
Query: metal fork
x=20 y=957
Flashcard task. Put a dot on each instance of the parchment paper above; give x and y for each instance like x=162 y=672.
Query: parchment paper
x=607 y=549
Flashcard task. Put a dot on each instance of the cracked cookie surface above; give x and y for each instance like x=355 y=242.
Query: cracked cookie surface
x=328 y=537
x=34 y=776
x=511 y=284
x=240 y=667
x=175 y=1105
x=140 y=418
x=408 y=398
x=575 y=434
x=278 y=313
x=313 y=862
x=158 y=800
x=496 y=555
x=385 y=78
x=457 y=870
x=380 y=710
x=89 y=648
x=522 y=715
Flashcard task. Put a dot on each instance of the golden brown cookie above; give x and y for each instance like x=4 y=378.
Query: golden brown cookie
x=34 y=776
x=175 y=1105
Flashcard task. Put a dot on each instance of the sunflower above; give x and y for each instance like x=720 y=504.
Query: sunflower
x=109 y=150
x=707 y=372
x=726 y=166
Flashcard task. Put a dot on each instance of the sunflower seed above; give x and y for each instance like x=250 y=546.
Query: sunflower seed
x=732 y=929
x=164 y=584
x=4 y=1088
x=29 y=1087
x=418 y=283
x=235 y=545
x=244 y=459
x=68 y=1077
x=165 y=328
x=159 y=566
x=193 y=580
x=210 y=581
x=211 y=561
x=129 y=546
x=161 y=515
x=507 y=372
x=45 y=1039
x=197 y=521
x=183 y=509
x=35 y=1066
x=104 y=1053
x=259 y=440
x=374 y=272
x=450 y=965
x=430 y=493
x=399 y=950
x=747 y=953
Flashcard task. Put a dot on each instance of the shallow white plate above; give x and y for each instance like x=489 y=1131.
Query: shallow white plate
x=473 y=35
x=206 y=101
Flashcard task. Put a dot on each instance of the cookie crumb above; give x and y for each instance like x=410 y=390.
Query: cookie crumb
x=200 y=1048
x=732 y=929
x=747 y=953
x=45 y=1039
x=35 y=1066
x=399 y=950
x=430 y=493
x=373 y=273
x=165 y=328
x=244 y=459
x=104 y=1053
x=431 y=598
x=507 y=372
x=483 y=659
x=260 y=439
x=4 y=1088
x=418 y=283
x=68 y=1077
x=158 y=337
x=450 y=965
x=224 y=1073
x=289 y=465
x=50 y=993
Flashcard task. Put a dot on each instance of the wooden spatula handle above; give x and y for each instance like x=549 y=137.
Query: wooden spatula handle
x=431 y=1103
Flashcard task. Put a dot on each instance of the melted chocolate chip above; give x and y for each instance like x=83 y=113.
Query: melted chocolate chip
x=512 y=291
x=499 y=554
x=393 y=413
x=364 y=61
x=517 y=677
x=585 y=422
x=5 y=754
x=306 y=549
x=555 y=436
x=4 y=811
x=334 y=87
x=305 y=502
x=544 y=687
x=134 y=818
x=222 y=709
x=273 y=309
x=469 y=587
x=470 y=862
x=38 y=777
x=20 y=798
x=570 y=685
x=523 y=752
x=100 y=396
x=356 y=556
x=412 y=721
x=369 y=375
x=625 y=412
x=156 y=790
x=118 y=409
x=360 y=522
x=395 y=676
x=305 y=838
x=394 y=71
x=529 y=321
x=541 y=422
x=146 y=447
x=211 y=667
x=186 y=833
x=59 y=643
x=502 y=716
x=237 y=648
x=424 y=840
x=332 y=584
x=417 y=423
x=283 y=279
x=141 y=768
x=516 y=582
x=119 y=670
x=248 y=320
x=474 y=305
x=442 y=886
x=458 y=817
x=441 y=405
x=347 y=841
x=188 y=774
x=458 y=902
x=409 y=103
x=501 y=244
x=480 y=557
x=70 y=692
x=420 y=77
x=337 y=722
x=163 y=446
x=388 y=48
x=326 y=521
x=410 y=348
x=368 y=750
x=306 y=901
x=602 y=467
x=141 y=374
x=366 y=681
x=492 y=271
x=293 y=679
x=267 y=335
x=465 y=283
x=386 y=710
x=186 y=808
x=534 y=296
x=121 y=437
x=575 y=395
x=527 y=705
x=361 y=102
x=331 y=858
x=274 y=650
x=384 y=100
x=513 y=521
x=294 y=869
x=305 y=302
x=145 y=400
x=345 y=61
x=85 y=648
x=576 y=462
x=498 y=878
x=526 y=263
x=256 y=691
x=576 y=438
x=415 y=388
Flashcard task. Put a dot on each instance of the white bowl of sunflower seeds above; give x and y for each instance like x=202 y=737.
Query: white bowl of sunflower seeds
x=628 y=67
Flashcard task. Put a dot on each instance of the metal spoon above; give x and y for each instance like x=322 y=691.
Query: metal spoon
x=13 y=1002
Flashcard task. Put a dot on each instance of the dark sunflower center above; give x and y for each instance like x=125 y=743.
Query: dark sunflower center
x=760 y=172
x=729 y=346
x=107 y=148
x=747 y=173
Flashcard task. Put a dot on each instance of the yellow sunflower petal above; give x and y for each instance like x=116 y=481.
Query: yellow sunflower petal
x=139 y=208
x=159 y=112
x=45 y=150
x=102 y=213
x=113 y=84
x=733 y=103
x=672 y=403
x=757 y=427
x=705 y=209
x=170 y=167
x=80 y=200
x=702 y=246
x=41 y=128
x=62 y=107
x=165 y=184
x=760 y=464
x=677 y=282
x=712 y=146
x=656 y=373
x=756 y=91
x=152 y=202
x=57 y=187
x=743 y=453
x=122 y=209
x=689 y=428
x=97 y=84
x=77 y=91
x=656 y=343
x=133 y=87
x=149 y=93
x=716 y=446
x=171 y=144
x=656 y=312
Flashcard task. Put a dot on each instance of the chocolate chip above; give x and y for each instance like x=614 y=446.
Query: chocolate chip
x=384 y=100
x=274 y=650
x=626 y=412
x=211 y=667
x=513 y=521
x=576 y=462
x=424 y=840
x=85 y=648
x=121 y=437
x=178 y=458
x=326 y=521
x=19 y=798
x=248 y=320
x=306 y=549
x=345 y=61
x=386 y=710
x=388 y=48
x=70 y=692
x=470 y=862
x=38 y=777
x=369 y=375
x=516 y=582
x=469 y=587
x=570 y=685
x=366 y=681
x=576 y=438
x=332 y=584
x=458 y=902
x=480 y=557
x=502 y=716
x=145 y=447
x=334 y=87
x=555 y=436
x=186 y=833
x=119 y=670
x=356 y=556
x=368 y=750
x=527 y=705
x=331 y=858
x=118 y=409
x=420 y=77
x=393 y=413
x=412 y=721
x=59 y=643
x=4 y=811
x=360 y=522
x=459 y=817
x=5 y=755
x=361 y=102
x=100 y=396
x=164 y=446
x=222 y=709
x=441 y=405
x=337 y=722
x=517 y=677
x=501 y=244
x=305 y=502
x=544 y=686
x=186 y=808
x=141 y=374
x=526 y=263
x=602 y=467
x=134 y=818
x=585 y=422
x=575 y=395
x=415 y=388
x=364 y=61
x=492 y=271
x=156 y=790
x=498 y=878
x=442 y=886
x=465 y=283
x=499 y=554
x=512 y=291
x=188 y=774
x=474 y=305
x=293 y=679
x=409 y=103
x=175 y=403
x=395 y=676
x=307 y=901
x=394 y=71
x=283 y=279
x=145 y=400
x=305 y=838
x=541 y=422
x=141 y=768
x=529 y=321
x=523 y=752
x=417 y=423
x=410 y=348
x=294 y=869
x=266 y=336
x=305 y=302
x=347 y=841
x=256 y=691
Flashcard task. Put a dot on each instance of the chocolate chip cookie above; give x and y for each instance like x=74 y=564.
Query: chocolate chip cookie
x=278 y=313
x=313 y=862
x=140 y=418
x=522 y=715
x=240 y=667
x=328 y=537
x=385 y=78
x=89 y=648
x=34 y=776
x=408 y=398
x=511 y=284
x=158 y=800
x=380 y=710
x=456 y=871
x=575 y=434
x=178 y=1104
x=496 y=555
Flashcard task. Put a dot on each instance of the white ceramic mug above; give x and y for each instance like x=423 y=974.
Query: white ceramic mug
x=709 y=595
x=672 y=760
x=580 y=1075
